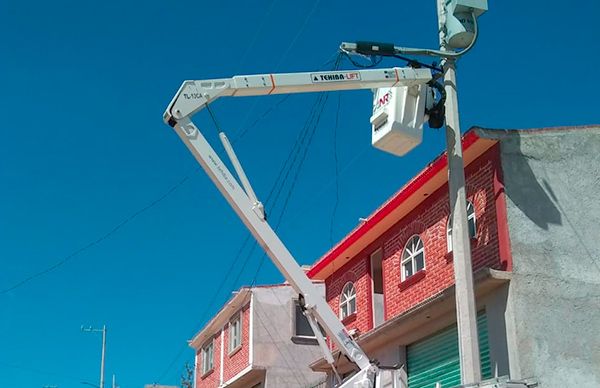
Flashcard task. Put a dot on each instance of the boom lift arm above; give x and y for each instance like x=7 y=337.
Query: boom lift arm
x=195 y=95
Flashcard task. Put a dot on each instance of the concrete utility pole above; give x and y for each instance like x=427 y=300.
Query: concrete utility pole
x=468 y=339
x=103 y=331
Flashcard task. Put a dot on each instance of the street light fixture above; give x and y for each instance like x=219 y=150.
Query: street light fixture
x=90 y=329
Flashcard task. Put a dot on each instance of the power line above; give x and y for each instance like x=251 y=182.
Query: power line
x=284 y=172
x=258 y=30
x=261 y=117
x=288 y=49
x=277 y=347
x=210 y=304
x=335 y=58
x=303 y=158
x=305 y=134
x=320 y=106
x=336 y=169
x=325 y=187
x=100 y=239
x=298 y=149
x=237 y=257
x=281 y=183
x=298 y=33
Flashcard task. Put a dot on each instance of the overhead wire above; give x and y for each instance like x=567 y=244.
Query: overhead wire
x=100 y=239
x=209 y=305
x=276 y=190
x=290 y=46
x=266 y=113
x=278 y=183
x=300 y=147
x=312 y=124
x=336 y=170
x=264 y=18
x=332 y=59
x=305 y=135
x=299 y=166
x=298 y=34
x=154 y=202
x=292 y=368
x=374 y=60
x=294 y=164
x=414 y=63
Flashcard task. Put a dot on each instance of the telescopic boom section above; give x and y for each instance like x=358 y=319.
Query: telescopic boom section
x=194 y=95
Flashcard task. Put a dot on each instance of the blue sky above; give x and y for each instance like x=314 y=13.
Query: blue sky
x=83 y=149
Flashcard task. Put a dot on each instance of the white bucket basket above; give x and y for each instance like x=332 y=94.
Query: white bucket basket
x=398 y=117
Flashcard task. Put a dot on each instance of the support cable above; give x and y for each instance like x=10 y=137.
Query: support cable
x=336 y=169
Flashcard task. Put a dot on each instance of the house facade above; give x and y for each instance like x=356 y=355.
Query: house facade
x=533 y=222
x=259 y=339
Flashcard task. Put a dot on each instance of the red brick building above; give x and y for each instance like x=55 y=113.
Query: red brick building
x=533 y=228
x=391 y=278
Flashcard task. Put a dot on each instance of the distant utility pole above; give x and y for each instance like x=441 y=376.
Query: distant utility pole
x=90 y=329
x=468 y=340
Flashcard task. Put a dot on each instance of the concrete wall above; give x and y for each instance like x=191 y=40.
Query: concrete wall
x=286 y=362
x=552 y=183
x=495 y=308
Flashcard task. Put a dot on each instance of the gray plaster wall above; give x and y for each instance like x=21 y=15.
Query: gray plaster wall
x=285 y=361
x=494 y=304
x=552 y=185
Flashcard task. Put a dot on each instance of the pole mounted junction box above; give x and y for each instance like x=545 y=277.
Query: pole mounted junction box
x=398 y=117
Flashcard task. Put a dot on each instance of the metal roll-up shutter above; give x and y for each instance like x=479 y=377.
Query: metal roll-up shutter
x=435 y=358
x=484 y=346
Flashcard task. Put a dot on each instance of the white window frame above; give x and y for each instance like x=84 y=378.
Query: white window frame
x=347 y=296
x=471 y=218
x=208 y=356
x=412 y=249
x=235 y=339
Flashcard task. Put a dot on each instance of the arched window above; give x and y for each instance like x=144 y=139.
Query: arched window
x=348 y=300
x=471 y=221
x=413 y=257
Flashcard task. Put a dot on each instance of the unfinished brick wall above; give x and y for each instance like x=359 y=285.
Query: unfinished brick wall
x=429 y=220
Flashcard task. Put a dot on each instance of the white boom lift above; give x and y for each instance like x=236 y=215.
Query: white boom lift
x=195 y=95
